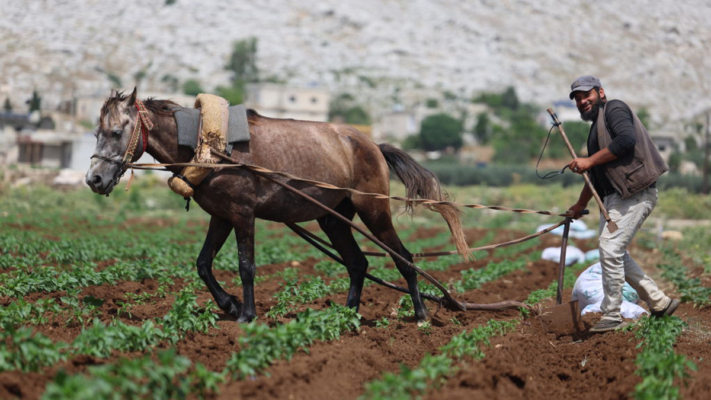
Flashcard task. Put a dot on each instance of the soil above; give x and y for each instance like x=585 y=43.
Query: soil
x=529 y=363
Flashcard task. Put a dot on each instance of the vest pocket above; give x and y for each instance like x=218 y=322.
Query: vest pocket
x=634 y=179
x=629 y=173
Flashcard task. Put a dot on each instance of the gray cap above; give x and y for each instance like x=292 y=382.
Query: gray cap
x=583 y=84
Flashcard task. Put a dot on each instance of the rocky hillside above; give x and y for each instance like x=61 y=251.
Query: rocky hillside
x=650 y=53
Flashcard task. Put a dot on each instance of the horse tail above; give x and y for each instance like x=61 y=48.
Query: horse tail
x=423 y=183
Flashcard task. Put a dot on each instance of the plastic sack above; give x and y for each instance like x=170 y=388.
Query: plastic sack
x=588 y=288
x=578 y=230
x=572 y=255
x=628 y=310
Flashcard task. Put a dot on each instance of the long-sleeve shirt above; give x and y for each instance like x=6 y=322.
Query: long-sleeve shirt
x=620 y=124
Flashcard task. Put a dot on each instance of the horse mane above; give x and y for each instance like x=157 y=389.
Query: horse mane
x=253 y=117
x=161 y=108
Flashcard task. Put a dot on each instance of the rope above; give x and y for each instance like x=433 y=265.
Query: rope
x=447 y=299
x=324 y=185
x=439 y=253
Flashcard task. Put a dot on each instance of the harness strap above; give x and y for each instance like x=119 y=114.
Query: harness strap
x=140 y=132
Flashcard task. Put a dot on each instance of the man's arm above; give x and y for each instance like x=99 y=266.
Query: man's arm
x=577 y=208
x=619 y=120
x=582 y=164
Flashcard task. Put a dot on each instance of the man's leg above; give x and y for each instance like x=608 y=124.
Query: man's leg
x=644 y=285
x=634 y=275
x=628 y=214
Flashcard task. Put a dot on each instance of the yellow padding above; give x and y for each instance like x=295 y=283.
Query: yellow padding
x=214 y=124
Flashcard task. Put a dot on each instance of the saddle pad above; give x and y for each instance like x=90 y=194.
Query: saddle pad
x=188 y=121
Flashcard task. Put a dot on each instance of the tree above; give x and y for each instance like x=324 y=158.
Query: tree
x=643 y=115
x=357 y=116
x=439 y=131
x=192 y=87
x=509 y=99
x=521 y=141
x=7 y=106
x=233 y=94
x=690 y=144
x=35 y=102
x=243 y=61
x=343 y=108
x=482 y=129
x=577 y=133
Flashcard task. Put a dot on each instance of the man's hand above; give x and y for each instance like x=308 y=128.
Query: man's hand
x=576 y=210
x=580 y=165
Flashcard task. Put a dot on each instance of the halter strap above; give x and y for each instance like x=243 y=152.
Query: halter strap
x=143 y=125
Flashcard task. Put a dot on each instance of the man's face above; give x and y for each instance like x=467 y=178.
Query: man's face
x=588 y=103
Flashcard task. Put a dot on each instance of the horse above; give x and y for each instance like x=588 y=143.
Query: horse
x=336 y=154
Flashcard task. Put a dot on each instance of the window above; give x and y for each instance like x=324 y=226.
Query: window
x=292 y=99
x=314 y=100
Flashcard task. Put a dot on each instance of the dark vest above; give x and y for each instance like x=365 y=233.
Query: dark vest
x=634 y=171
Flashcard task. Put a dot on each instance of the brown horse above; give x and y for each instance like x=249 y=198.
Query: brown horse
x=234 y=197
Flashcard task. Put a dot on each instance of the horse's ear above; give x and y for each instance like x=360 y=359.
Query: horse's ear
x=132 y=98
x=113 y=93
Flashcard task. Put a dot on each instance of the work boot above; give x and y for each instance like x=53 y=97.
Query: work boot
x=607 y=325
x=669 y=310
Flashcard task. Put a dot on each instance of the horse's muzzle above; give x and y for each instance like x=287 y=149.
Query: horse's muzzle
x=99 y=184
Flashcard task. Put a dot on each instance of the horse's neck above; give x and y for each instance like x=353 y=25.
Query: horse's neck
x=163 y=144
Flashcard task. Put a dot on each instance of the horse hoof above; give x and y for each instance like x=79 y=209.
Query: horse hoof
x=246 y=318
x=232 y=309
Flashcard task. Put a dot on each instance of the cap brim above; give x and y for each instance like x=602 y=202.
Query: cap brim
x=580 y=89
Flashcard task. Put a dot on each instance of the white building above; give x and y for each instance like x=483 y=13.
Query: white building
x=280 y=101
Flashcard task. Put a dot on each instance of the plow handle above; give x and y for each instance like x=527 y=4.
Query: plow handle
x=611 y=226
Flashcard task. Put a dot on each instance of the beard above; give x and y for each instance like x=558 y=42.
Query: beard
x=591 y=115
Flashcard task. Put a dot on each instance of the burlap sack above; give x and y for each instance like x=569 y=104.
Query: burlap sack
x=213 y=129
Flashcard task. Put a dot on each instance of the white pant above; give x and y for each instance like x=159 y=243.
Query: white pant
x=617 y=265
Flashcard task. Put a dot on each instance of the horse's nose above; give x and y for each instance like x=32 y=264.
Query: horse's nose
x=95 y=181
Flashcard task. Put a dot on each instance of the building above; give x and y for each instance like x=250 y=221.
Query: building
x=281 y=101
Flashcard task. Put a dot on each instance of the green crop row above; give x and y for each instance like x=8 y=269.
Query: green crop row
x=657 y=363
x=293 y=292
x=29 y=352
x=433 y=369
x=474 y=278
x=261 y=345
x=52 y=279
x=690 y=288
x=170 y=377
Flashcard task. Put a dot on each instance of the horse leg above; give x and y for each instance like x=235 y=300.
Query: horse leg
x=217 y=234
x=376 y=216
x=341 y=237
x=244 y=232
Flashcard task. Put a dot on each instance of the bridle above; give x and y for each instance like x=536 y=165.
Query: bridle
x=140 y=134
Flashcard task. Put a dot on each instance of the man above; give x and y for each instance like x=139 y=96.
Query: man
x=623 y=165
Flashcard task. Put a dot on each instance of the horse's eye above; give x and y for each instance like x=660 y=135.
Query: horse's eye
x=117 y=132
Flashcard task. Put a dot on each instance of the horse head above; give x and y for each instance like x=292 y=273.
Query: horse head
x=117 y=138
